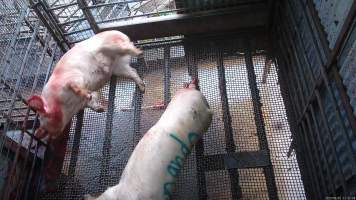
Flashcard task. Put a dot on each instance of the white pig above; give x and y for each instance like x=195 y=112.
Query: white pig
x=152 y=169
x=82 y=71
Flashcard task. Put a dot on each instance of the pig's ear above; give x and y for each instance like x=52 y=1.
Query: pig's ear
x=37 y=103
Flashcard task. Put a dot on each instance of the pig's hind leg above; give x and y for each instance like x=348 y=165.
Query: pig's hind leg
x=95 y=104
x=79 y=90
x=128 y=72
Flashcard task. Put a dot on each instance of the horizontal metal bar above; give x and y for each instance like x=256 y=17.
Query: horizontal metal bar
x=78 y=31
x=64 y=6
x=113 y=3
x=73 y=21
x=196 y=23
x=237 y=160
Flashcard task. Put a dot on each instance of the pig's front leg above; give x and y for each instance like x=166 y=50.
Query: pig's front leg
x=127 y=71
x=95 y=103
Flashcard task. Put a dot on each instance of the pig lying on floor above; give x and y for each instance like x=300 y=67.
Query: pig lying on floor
x=152 y=169
x=82 y=71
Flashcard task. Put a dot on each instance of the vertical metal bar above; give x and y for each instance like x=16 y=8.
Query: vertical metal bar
x=310 y=164
x=137 y=101
x=315 y=155
x=83 y=6
x=76 y=144
x=344 y=99
x=104 y=173
x=49 y=69
x=313 y=19
x=199 y=147
x=292 y=73
x=260 y=126
x=298 y=69
x=40 y=178
x=292 y=87
x=286 y=90
x=330 y=137
x=324 y=156
x=229 y=137
x=339 y=118
x=22 y=68
x=13 y=40
x=167 y=76
x=32 y=90
x=27 y=188
x=6 y=64
x=13 y=99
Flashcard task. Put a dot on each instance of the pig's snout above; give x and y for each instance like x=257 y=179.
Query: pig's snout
x=192 y=85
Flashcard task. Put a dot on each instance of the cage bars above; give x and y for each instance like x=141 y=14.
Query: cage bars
x=106 y=151
x=261 y=134
x=199 y=147
x=43 y=53
x=229 y=138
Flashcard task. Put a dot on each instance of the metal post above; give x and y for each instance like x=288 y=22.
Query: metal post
x=13 y=99
x=324 y=155
x=330 y=136
x=199 y=147
x=11 y=48
x=167 y=76
x=229 y=137
x=137 y=102
x=107 y=138
x=76 y=144
x=260 y=126
x=28 y=109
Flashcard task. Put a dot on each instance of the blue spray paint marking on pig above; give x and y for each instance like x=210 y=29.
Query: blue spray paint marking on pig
x=177 y=163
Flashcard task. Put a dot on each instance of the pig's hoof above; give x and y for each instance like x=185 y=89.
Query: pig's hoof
x=142 y=88
x=89 y=96
x=100 y=109
x=88 y=197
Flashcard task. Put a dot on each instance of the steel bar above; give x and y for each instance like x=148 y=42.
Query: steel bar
x=73 y=3
x=260 y=126
x=14 y=95
x=13 y=41
x=339 y=118
x=229 y=136
x=31 y=174
x=287 y=91
x=323 y=153
x=330 y=136
x=106 y=151
x=236 y=160
x=345 y=99
x=50 y=23
x=191 y=53
x=189 y=24
x=113 y=3
x=45 y=48
x=76 y=144
x=310 y=161
x=83 y=6
x=167 y=76
x=315 y=155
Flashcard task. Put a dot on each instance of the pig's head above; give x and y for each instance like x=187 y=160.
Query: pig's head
x=189 y=108
x=51 y=118
x=116 y=42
